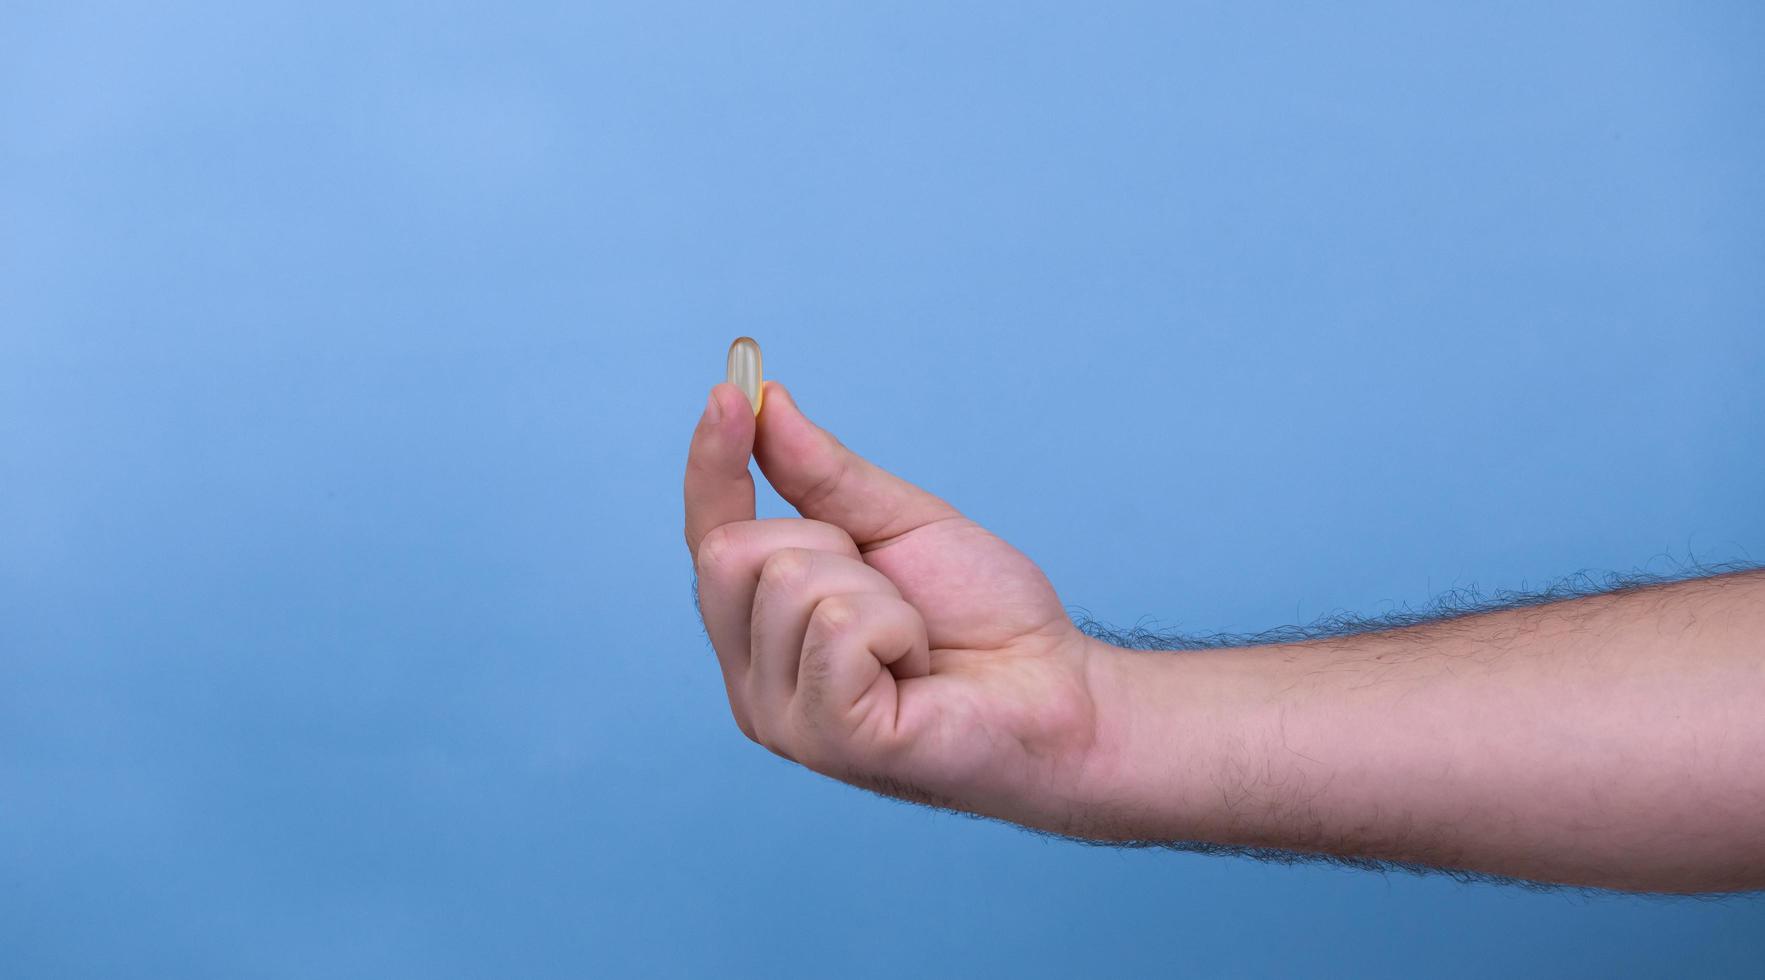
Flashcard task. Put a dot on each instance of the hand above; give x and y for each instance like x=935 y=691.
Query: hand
x=883 y=639
x=887 y=641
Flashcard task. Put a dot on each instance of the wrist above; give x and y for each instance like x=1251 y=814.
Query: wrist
x=1186 y=745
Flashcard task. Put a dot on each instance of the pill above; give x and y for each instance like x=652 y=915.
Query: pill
x=744 y=369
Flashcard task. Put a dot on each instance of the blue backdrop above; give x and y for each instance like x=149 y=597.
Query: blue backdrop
x=348 y=355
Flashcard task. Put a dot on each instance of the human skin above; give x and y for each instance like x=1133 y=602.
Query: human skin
x=883 y=639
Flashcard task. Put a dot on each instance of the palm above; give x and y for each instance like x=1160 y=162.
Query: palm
x=976 y=592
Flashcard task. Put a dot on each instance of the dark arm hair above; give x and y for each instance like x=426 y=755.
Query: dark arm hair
x=1442 y=611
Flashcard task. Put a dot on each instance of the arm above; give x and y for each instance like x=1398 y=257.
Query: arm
x=887 y=641
x=1616 y=740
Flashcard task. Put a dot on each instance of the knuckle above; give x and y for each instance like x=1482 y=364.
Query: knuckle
x=770 y=737
x=758 y=729
x=835 y=617
x=746 y=726
x=717 y=549
x=834 y=538
x=786 y=570
x=738 y=710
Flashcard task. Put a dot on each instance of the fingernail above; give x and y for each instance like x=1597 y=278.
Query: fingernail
x=713 y=411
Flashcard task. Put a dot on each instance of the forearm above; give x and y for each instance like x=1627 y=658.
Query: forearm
x=1616 y=741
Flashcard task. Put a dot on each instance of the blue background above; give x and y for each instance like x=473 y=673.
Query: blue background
x=348 y=355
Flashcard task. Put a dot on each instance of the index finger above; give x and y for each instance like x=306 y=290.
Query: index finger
x=718 y=488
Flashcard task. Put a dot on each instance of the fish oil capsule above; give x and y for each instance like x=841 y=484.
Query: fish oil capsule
x=744 y=369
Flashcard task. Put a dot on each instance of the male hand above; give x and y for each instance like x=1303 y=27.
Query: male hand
x=882 y=639
x=887 y=641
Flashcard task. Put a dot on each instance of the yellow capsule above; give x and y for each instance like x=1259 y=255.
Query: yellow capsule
x=744 y=369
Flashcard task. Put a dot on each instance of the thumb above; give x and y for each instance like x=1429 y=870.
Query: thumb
x=826 y=481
